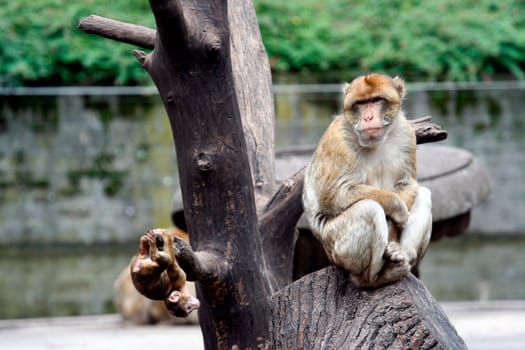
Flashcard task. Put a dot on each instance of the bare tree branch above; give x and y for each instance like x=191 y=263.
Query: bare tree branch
x=426 y=131
x=120 y=31
x=171 y=22
x=277 y=226
x=140 y=56
x=204 y=267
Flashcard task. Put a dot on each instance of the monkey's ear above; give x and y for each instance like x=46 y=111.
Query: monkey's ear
x=174 y=296
x=345 y=88
x=400 y=86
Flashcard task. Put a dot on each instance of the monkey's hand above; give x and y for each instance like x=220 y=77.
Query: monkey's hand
x=148 y=256
x=144 y=246
x=157 y=247
x=399 y=213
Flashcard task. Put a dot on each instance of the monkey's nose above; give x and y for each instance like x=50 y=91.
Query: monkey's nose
x=193 y=304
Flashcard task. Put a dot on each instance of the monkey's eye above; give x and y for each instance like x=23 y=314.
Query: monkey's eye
x=376 y=99
x=160 y=242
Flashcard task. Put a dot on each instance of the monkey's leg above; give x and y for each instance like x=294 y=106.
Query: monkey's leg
x=179 y=302
x=393 y=270
x=416 y=234
x=401 y=257
x=147 y=269
x=176 y=275
x=356 y=240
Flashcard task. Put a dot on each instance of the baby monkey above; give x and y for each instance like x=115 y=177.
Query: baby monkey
x=157 y=275
x=360 y=192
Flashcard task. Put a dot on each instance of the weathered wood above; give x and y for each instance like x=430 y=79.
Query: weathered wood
x=324 y=310
x=277 y=226
x=191 y=66
x=253 y=86
x=426 y=131
x=120 y=31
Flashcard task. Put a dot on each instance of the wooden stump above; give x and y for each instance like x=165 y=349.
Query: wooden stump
x=324 y=310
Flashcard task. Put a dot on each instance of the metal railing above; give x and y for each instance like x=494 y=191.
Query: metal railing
x=277 y=88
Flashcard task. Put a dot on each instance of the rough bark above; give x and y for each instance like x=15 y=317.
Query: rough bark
x=324 y=310
x=216 y=88
x=253 y=86
x=191 y=66
x=426 y=131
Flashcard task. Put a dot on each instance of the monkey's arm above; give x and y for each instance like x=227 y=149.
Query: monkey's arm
x=416 y=234
x=392 y=204
x=179 y=302
x=176 y=275
x=407 y=191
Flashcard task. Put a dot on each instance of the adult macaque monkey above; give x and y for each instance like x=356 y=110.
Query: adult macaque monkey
x=157 y=275
x=360 y=192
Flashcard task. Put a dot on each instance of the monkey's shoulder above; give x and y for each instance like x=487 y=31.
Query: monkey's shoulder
x=338 y=141
x=406 y=130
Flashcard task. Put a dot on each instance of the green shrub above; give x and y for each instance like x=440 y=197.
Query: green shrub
x=421 y=40
x=41 y=45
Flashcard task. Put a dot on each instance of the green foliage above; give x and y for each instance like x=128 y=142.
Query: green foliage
x=41 y=45
x=420 y=40
x=423 y=40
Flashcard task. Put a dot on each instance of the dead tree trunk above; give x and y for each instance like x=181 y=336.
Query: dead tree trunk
x=191 y=66
x=212 y=73
x=324 y=310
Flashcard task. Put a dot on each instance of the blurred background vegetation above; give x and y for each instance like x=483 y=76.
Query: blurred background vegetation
x=305 y=39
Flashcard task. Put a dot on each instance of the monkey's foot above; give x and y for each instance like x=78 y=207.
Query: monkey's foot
x=395 y=253
x=395 y=270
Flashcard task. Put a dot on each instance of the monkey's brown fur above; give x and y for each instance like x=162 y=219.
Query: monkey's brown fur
x=362 y=180
x=156 y=274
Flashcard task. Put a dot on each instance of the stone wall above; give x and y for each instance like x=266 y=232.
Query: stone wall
x=88 y=169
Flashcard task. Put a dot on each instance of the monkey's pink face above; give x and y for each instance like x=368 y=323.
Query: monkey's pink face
x=371 y=123
x=371 y=103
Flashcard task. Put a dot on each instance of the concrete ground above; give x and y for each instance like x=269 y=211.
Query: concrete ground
x=490 y=325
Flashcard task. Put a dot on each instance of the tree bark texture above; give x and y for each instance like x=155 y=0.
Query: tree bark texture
x=324 y=310
x=215 y=84
x=192 y=68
